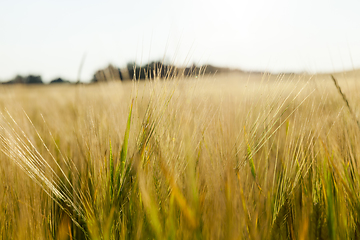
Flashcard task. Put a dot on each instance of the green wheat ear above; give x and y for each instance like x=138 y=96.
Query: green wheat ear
x=123 y=154
x=251 y=162
x=250 y=155
x=111 y=160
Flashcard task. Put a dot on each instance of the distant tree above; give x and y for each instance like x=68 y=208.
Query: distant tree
x=18 y=79
x=150 y=71
x=131 y=69
x=130 y=65
x=59 y=80
x=31 y=79
x=108 y=74
x=191 y=71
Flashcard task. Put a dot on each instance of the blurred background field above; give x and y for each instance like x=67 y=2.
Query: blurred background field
x=226 y=156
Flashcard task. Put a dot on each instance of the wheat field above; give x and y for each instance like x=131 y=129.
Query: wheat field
x=229 y=156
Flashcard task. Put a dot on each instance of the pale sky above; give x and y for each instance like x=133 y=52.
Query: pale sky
x=49 y=38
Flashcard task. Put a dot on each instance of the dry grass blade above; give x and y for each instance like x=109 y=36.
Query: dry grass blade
x=345 y=100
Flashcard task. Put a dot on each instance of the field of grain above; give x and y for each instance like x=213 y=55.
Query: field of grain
x=242 y=156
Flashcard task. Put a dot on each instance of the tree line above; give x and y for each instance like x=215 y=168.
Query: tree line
x=132 y=71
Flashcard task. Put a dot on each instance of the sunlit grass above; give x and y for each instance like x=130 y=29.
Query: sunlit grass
x=222 y=157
